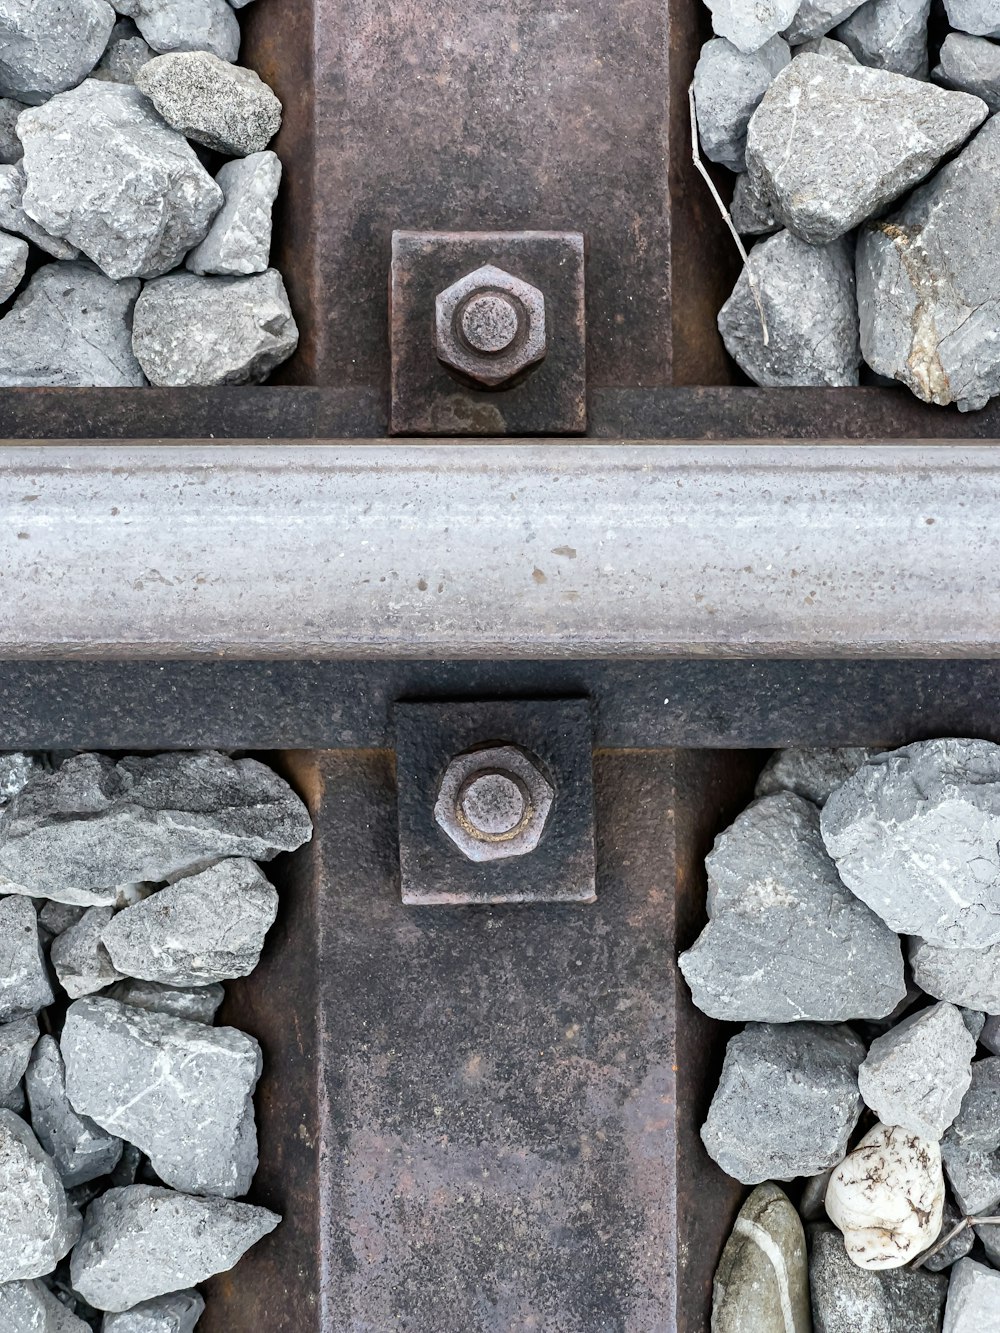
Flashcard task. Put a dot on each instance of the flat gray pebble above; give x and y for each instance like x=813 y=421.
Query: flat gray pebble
x=240 y=238
x=889 y=34
x=78 y=832
x=917 y=1074
x=80 y=959
x=70 y=327
x=915 y=835
x=205 y=928
x=728 y=86
x=13 y=261
x=106 y=174
x=29 y=1307
x=176 y=1313
x=222 y=106
x=850 y=1299
x=929 y=289
x=969 y=977
x=833 y=143
x=24 y=982
x=808 y=296
x=815 y=18
x=972 y=65
x=787 y=1101
x=49 y=45
x=14 y=219
x=126 y=54
x=140 y=1242
x=17 y=1040
x=979 y=17
x=186 y=25
x=198 y=1004
x=180 y=1091
x=748 y=24
x=190 y=330
x=81 y=1150
x=38 y=1224
x=785 y=939
x=813 y=774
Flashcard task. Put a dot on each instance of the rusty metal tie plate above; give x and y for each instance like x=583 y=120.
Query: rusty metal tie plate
x=488 y=333
x=495 y=802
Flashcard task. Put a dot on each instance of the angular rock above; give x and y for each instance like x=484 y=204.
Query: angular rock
x=973 y=1020
x=785 y=939
x=240 y=238
x=748 y=24
x=957 y=1248
x=977 y=1124
x=974 y=1177
x=17 y=1040
x=752 y=212
x=141 y=1242
x=973 y=1299
x=812 y=774
x=815 y=18
x=207 y=927
x=182 y=1092
x=76 y=833
x=107 y=175
x=808 y=295
x=833 y=143
x=979 y=17
x=202 y=331
x=969 y=977
x=849 y=1299
x=29 y=1307
x=827 y=46
x=13 y=261
x=929 y=290
x=917 y=1074
x=763 y=1275
x=971 y=65
x=49 y=45
x=990 y=1035
x=57 y=917
x=787 y=1101
x=81 y=961
x=198 y=1004
x=10 y=144
x=176 y=1313
x=915 y=835
x=186 y=25
x=887 y=1197
x=15 y=770
x=222 y=106
x=990 y=1238
x=13 y=217
x=38 y=1225
x=728 y=86
x=24 y=983
x=80 y=1149
x=126 y=54
x=889 y=34
x=71 y=326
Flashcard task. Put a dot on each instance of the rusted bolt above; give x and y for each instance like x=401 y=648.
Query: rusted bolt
x=490 y=326
x=494 y=803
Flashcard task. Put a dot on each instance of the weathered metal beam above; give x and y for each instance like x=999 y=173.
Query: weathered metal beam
x=533 y=551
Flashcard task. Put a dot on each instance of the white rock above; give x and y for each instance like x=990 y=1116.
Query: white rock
x=887 y=1197
x=917 y=1074
x=973 y=1299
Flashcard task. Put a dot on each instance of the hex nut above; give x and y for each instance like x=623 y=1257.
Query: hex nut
x=494 y=803
x=490 y=326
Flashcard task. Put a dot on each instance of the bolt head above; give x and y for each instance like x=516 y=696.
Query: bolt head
x=490 y=326
x=494 y=803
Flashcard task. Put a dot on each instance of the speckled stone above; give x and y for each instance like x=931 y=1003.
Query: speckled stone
x=849 y=1299
x=222 y=106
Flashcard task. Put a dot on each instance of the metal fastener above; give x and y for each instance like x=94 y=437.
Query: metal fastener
x=490 y=326
x=494 y=803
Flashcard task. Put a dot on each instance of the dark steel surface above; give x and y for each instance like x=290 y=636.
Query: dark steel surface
x=265 y=705
x=431 y=269
x=558 y=736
